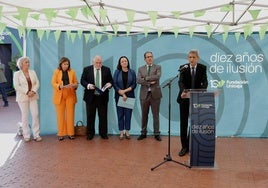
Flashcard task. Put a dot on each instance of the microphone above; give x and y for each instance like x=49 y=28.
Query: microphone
x=183 y=68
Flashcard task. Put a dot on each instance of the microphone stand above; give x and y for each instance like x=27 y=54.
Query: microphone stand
x=168 y=156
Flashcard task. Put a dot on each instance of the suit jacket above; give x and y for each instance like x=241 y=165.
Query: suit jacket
x=88 y=78
x=184 y=82
x=118 y=83
x=57 y=81
x=144 y=80
x=21 y=85
x=2 y=73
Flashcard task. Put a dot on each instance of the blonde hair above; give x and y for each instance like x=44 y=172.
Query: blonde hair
x=21 y=60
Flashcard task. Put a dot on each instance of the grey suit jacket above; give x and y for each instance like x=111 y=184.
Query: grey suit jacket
x=2 y=73
x=144 y=80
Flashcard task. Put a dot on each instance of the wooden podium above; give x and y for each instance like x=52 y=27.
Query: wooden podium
x=202 y=128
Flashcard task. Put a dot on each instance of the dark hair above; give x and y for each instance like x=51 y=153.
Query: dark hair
x=119 y=67
x=62 y=60
x=148 y=52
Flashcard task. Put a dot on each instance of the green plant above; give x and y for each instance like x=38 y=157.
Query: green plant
x=13 y=63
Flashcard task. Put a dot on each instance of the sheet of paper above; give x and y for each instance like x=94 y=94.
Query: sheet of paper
x=129 y=103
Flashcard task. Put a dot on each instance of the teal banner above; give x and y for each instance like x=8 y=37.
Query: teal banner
x=236 y=66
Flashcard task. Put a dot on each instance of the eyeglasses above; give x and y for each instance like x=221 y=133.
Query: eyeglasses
x=149 y=56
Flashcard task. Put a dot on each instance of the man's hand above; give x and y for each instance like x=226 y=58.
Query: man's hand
x=184 y=94
x=90 y=86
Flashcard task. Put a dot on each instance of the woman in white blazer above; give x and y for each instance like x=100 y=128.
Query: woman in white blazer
x=26 y=84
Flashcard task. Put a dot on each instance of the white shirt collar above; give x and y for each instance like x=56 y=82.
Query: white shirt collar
x=193 y=66
x=95 y=69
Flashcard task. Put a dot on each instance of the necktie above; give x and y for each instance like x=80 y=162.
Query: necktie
x=149 y=70
x=97 y=78
x=193 y=79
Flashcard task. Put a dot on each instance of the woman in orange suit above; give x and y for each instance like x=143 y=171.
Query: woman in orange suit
x=64 y=83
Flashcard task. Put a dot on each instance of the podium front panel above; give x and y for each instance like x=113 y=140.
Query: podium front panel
x=202 y=130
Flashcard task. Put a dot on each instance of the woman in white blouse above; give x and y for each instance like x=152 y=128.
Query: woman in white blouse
x=26 y=84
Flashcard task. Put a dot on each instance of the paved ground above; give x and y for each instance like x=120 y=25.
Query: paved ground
x=240 y=162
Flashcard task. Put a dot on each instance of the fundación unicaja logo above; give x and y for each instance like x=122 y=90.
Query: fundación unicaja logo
x=217 y=83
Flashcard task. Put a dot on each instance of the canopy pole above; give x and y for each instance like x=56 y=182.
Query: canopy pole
x=24 y=43
x=252 y=2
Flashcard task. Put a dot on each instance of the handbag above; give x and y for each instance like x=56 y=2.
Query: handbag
x=80 y=129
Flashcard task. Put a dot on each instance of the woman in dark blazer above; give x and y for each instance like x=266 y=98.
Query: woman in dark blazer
x=124 y=85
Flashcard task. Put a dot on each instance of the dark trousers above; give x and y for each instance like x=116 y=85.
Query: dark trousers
x=91 y=108
x=145 y=106
x=3 y=92
x=124 y=118
x=184 y=115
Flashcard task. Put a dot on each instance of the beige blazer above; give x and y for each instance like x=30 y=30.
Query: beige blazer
x=21 y=86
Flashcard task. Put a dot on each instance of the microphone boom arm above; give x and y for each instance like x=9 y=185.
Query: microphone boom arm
x=170 y=81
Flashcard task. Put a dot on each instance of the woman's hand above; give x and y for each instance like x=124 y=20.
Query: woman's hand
x=124 y=97
x=73 y=86
x=121 y=92
x=31 y=93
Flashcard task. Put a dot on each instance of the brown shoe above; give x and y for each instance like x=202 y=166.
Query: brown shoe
x=127 y=135
x=121 y=136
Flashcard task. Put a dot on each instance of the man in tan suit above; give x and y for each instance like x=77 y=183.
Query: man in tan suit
x=150 y=94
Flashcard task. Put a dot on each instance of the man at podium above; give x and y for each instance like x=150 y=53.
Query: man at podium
x=193 y=75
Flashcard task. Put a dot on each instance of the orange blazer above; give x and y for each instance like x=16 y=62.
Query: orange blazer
x=57 y=81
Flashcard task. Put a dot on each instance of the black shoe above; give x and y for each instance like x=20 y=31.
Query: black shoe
x=158 y=138
x=71 y=137
x=6 y=104
x=90 y=137
x=61 y=138
x=142 y=136
x=183 y=152
x=104 y=137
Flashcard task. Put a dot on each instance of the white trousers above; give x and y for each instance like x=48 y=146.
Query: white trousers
x=24 y=108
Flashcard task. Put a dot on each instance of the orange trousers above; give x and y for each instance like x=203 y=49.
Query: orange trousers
x=65 y=114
